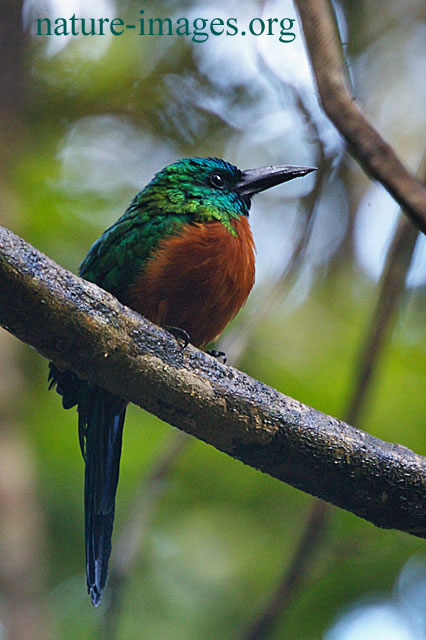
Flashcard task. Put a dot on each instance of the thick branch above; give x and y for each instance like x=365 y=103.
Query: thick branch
x=83 y=328
x=365 y=144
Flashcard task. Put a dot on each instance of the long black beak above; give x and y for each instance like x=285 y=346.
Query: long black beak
x=255 y=180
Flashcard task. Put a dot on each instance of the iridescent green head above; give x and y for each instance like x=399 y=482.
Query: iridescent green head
x=209 y=189
x=189 y=190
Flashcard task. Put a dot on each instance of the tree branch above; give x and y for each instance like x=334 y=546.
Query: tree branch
x=83 y=328
x=390 y=292
x=376 y=157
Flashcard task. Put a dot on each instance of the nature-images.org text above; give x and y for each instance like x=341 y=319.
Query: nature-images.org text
x=199 y=29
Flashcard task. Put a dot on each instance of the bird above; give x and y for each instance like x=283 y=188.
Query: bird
x=183 y=256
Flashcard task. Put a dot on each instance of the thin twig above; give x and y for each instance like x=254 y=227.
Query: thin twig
x=376 y=156
x=391 y=291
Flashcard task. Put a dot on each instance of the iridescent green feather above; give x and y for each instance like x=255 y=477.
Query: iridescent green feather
x=179 y=194
x=118 y=256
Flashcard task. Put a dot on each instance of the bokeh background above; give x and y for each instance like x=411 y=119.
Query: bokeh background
x=85 y=122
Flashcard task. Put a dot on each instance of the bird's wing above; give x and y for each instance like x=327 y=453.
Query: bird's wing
x=119 y=255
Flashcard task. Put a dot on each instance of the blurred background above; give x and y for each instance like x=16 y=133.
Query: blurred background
x=202 y=541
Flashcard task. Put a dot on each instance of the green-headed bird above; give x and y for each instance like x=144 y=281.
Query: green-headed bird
x=182 y=255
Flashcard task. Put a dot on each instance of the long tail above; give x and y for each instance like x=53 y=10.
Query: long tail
x=102 y=429
x=100 y=426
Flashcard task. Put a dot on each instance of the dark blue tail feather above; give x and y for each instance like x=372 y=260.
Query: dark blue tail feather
x=103 y=430
x=100 y=427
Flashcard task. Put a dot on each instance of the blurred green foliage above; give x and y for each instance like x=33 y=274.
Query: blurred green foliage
x=98 y=119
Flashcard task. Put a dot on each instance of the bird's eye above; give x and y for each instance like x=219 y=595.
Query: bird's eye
x=217 y=181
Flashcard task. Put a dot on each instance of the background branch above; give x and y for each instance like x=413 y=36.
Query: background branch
x=376 y=157
x=84 y=328
x=391 y=289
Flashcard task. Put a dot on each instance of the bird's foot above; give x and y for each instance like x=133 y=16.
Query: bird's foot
x=219 y=355
x=181 y=336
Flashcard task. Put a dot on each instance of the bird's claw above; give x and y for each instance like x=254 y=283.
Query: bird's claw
x=181 y=336
x=219 y=355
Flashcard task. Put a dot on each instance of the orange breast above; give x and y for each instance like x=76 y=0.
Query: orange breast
x=197 y=280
